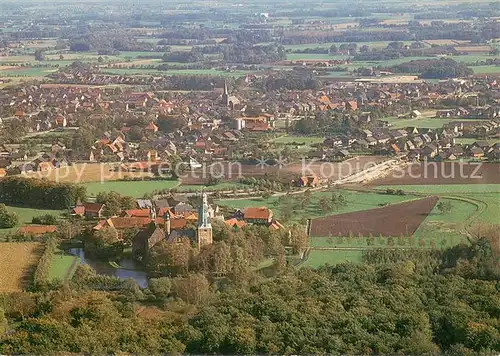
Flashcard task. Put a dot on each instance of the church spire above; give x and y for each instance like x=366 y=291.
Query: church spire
x=203 y=216
x=225 y=95
x=204 y=231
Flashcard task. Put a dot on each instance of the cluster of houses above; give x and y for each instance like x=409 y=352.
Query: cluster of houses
x=415 y=143
x=210 y=126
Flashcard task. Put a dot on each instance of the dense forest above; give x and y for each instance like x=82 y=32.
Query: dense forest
x=394 y=302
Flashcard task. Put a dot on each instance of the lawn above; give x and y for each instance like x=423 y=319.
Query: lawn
x=318 y=258
x=136 y=189
x=63 y=266
x=357 y=201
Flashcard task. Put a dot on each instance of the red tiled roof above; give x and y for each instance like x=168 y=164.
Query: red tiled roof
x=151 y=126
x=78 y=210
x=235 y=222
x=257 y=213
x=140 y=213
x=93 y=207
x=37 y=229
x=177 y=223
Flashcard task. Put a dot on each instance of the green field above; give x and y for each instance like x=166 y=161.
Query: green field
x=357 y=201
x=318 y=258
x=428 y=123
x=26 y=72
x=437 y=231
x=372 y=44
x=136 y=189
x=447 y=189
x=470 y=141
x=26 y=215
x=136 y=71
x=446 y=230
x=306 y=140
x=486 y=69
x=219 y=186
x=485 y=194
x=309 y=56
x=63 y=266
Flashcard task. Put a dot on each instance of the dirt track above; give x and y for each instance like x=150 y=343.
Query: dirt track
x=394 y=220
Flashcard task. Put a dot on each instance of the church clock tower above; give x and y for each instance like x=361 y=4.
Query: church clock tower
x=204 y=231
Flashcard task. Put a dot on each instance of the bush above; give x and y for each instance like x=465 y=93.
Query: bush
x=46 y=219
x=7 y=220
x=42 y=270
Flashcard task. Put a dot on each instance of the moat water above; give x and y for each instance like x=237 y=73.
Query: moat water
x=128 y=268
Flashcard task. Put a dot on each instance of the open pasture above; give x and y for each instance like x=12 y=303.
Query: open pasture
x=16 y=264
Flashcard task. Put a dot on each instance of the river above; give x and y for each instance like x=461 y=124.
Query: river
x=129 y=269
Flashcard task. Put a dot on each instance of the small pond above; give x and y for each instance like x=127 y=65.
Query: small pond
x=129 y=268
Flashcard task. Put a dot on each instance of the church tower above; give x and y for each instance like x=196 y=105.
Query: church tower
x=204 y=231
x=225 y=95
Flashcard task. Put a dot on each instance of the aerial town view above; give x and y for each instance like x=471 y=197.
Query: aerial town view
x=250 y=177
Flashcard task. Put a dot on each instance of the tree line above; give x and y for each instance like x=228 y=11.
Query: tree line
x=40 y=193
x=434 y=68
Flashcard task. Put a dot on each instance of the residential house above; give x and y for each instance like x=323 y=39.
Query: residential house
x=476 y=152
x=89 y=210
x=261 y=215
x=308 y=181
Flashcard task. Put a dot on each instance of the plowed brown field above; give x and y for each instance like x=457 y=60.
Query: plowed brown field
x=433 y=173
x=394 y=220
